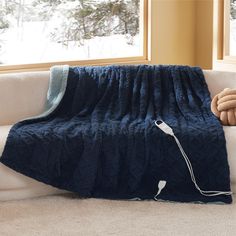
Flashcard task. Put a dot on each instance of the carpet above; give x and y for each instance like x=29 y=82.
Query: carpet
x=69 y=215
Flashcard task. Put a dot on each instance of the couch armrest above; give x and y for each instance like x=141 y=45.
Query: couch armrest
x=22 y=95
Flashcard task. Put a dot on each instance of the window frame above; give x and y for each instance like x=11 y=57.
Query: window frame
x=144 y=59
x=221 y=27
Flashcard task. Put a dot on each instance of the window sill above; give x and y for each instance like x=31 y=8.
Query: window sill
x=228 y=64
x=46 y=66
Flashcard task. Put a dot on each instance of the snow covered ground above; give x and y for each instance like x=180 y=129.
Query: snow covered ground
x=32 y=43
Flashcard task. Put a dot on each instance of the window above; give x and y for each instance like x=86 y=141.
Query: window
x=229 y=28
x=232 y=28
x=46 y=31
x=224 y=35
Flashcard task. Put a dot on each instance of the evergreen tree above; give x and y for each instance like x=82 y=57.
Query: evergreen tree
x=233 y=9
x=78 y=20
x=4 y=11
x=92 y=18
x=3 y=21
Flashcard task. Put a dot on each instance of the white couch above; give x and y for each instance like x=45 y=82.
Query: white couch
x=23 y=95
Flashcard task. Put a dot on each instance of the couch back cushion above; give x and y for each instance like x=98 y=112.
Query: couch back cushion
x=22 y=95
x=219 y=80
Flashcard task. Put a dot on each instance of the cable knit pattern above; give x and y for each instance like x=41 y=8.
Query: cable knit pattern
x=223 y=106
x=102 y=142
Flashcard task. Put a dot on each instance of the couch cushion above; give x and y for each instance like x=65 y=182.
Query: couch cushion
x=14 y=185
x=4 y=130
x=230 y=135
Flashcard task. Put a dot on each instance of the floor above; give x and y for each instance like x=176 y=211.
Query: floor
x=69 y=215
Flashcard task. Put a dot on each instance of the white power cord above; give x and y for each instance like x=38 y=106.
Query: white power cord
x=168 y=130
x=161 y=185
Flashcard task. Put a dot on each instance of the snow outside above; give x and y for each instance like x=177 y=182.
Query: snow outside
x=34 y=31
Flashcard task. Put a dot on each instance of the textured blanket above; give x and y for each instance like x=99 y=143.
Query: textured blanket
x=100 y=139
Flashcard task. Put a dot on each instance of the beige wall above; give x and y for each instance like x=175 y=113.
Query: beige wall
x=204 y=33
x=182 y=32
x=173 y=33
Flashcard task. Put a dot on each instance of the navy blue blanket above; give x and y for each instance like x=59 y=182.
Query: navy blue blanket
x=101 y=140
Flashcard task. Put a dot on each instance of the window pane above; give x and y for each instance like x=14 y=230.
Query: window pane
x=232 y=39
x=34 y=31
